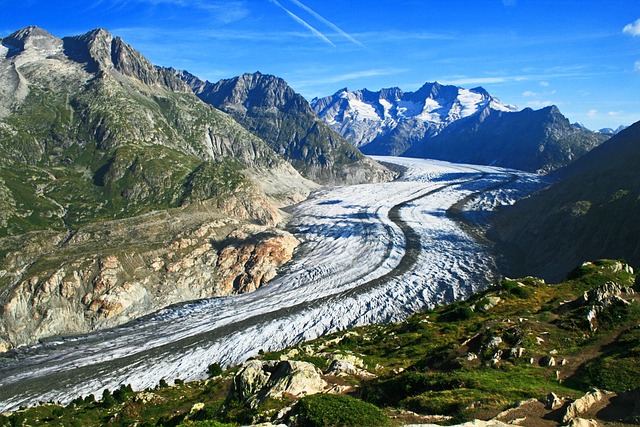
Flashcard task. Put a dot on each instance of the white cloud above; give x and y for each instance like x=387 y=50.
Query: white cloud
x=632 y=29
x=529 y=93
x=544 y=84
x=615 y=113
x=592 y=113
x=636 y=67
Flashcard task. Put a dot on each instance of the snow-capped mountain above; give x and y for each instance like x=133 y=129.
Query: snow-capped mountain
x=366 y=118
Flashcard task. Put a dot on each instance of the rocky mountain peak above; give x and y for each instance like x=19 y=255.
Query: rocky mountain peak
x=31 y=38
x=254 y=90
x=102 y=51
x=433 y=91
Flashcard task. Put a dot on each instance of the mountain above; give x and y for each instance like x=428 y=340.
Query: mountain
x=592 y=212
x=455 y=124
x=269 y=108
x=611 y=132
x=121 y=191
x=531 y=140
x=389 y=121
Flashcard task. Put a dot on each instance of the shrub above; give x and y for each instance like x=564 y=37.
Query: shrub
x=456 y=314
x=324 y=410
x=514 y=288
x=214 y=370
x=107 y=400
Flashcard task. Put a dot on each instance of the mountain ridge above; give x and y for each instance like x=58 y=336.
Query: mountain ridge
x=267 y=106
x=451 y=123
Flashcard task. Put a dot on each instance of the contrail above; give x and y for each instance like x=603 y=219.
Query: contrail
x=327 y=22
x=301 y=21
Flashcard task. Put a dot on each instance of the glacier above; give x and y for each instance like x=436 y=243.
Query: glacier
x=369 y=253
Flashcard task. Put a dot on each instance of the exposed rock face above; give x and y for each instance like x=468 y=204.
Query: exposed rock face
x=258 y=380
x=269 y=108
x=582 y=405
x=111 y=286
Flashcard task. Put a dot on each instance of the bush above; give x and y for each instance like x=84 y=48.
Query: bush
x=214 y=370
x=514 y=288
x=456 y=314
x=324 y=410
x=107 y=400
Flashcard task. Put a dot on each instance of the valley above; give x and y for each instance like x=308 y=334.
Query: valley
x=369 y=253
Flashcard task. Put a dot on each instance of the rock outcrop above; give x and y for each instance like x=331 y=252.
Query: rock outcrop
x=89 y=290
x=258 y=380
x=583 y=404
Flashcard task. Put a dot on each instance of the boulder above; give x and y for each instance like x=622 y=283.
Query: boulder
x=258 y=380
x=582 y=422
x=339 y=367
x=583 y=404
x=552 y=401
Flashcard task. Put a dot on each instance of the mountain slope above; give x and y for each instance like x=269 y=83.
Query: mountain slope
x=593 y=212
x=389 y=121
x=535 y=141
x=122 y=192
x=269 y=108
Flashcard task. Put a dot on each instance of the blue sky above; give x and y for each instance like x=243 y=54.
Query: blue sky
x=581 y=55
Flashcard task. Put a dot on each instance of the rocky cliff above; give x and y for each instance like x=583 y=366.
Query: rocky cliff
x=108 y=273
x=272 y=110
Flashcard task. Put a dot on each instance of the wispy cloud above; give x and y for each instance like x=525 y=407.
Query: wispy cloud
x=327 y=22
x=636 y=66
x=530 y=74
x=303 y=23
x=340 y=78
x=592 y=113
x=632 y=29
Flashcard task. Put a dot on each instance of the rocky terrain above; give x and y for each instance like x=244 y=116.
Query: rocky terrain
x=122 y=192
x=272 y=110
x=455 y=124
x=592 y=212
x=521 y=353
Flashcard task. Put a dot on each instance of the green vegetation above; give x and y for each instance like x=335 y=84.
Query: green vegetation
x=326 y=410
x=470 y=359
